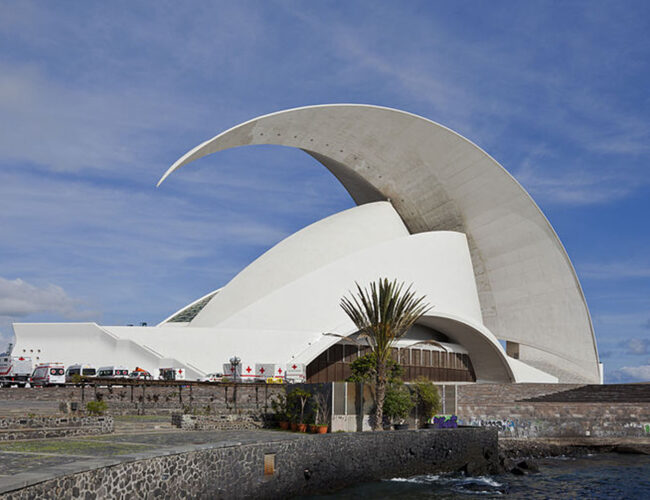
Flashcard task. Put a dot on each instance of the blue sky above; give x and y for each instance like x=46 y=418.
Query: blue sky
x=97 y=99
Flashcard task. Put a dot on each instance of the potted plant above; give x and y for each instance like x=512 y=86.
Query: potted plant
x=297 y=400
x=279 y=405
x=398 y=404
x=322 y=412
x=427 y=400
x=311 y=423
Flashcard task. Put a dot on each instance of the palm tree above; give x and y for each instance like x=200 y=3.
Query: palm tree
x=383 y=313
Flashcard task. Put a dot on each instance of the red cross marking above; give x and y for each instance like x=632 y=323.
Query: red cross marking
x=232 y=368
x=262 y=370
x=280 y=370
x=180 y=371
x=248 y=369
x=294 y=367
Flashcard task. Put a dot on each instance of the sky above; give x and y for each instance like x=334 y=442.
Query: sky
x=98 y=99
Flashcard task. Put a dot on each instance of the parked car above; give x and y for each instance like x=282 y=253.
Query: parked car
x=80 y=370
x=48 y=374
x=113 y=372
x=212 y=377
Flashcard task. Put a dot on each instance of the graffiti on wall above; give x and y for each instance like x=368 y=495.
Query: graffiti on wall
x=503 y=426
x=561 y=427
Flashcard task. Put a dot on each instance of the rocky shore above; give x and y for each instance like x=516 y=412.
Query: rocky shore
x=517 y=455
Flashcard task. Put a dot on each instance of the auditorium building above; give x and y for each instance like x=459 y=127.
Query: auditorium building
x=432 y=209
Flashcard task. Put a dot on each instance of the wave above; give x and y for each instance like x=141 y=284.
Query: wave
x=472 y=485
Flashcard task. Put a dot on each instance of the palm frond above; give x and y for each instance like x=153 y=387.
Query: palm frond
x=384 y=312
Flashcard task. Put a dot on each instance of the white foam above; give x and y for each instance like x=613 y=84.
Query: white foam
x=429 y=478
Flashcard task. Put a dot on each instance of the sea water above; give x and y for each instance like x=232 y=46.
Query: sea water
x=608 y=476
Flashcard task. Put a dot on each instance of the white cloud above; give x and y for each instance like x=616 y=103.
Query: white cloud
x=574 y=186
x=631 y=374
x=637 y=346
x=64 y=128
x=19 y=299
x=615 y=270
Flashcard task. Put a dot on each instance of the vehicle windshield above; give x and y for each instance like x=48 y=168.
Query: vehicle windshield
x=89 y=371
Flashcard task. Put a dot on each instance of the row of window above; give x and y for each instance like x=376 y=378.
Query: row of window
x=334 y=364
x=406 y=357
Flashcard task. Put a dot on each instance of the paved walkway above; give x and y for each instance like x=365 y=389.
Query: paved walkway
x=23 y=463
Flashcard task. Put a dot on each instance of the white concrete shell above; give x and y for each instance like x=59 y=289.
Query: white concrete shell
x=439 y=181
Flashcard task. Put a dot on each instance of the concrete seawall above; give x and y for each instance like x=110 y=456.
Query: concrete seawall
x=279 y=465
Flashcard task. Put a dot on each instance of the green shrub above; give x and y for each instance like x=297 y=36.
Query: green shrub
x=398 y=402
x=279 y=406
x=427 y=398
x=296 y=401
x=96 y=407
x=363 y=369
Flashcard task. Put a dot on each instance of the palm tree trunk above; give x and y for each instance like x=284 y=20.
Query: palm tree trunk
x=380 y=394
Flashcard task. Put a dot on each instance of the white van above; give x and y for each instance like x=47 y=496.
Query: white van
x=113 y=372
x=80 y=370
x=48 y=374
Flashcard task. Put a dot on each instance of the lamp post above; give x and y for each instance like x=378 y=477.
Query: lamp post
x=234 y=362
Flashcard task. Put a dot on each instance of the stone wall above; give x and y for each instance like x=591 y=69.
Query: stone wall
x=37 y=427
x=152 y=400
x=222 y=422
x=281 y=469
x=507 y=407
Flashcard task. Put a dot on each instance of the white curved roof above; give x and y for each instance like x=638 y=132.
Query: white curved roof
x=438 y=180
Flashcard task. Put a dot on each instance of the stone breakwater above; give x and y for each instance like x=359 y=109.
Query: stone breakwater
x=518 y=455
x=542 y=448
x=36 y=427
x=280 y=467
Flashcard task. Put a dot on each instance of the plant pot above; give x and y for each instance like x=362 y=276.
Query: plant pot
x=284 y=425
x=302 y=427
x=313 y=428
x=294 y=426
x=401 y=427
x=321 y=429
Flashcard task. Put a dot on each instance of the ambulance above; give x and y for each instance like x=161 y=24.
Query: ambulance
x=46 y=374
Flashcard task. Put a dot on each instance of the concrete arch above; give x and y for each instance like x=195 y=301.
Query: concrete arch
x=488 y=358
x=439 y=180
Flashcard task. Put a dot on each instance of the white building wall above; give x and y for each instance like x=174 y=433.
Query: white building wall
x=305 y=251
